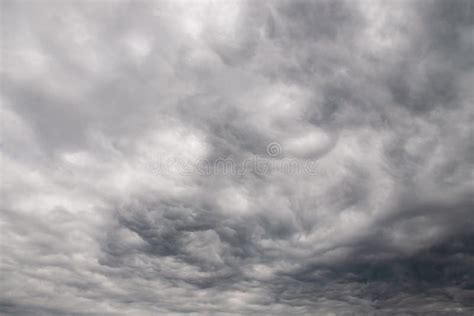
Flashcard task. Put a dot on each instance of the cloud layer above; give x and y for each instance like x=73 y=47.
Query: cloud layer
x=377 y=94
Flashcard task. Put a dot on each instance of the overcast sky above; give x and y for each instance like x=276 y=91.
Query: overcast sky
x=111 y=109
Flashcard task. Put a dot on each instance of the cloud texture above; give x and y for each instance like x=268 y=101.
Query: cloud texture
x=377 y=93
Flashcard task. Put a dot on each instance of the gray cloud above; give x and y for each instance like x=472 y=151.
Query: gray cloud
x=377 y=94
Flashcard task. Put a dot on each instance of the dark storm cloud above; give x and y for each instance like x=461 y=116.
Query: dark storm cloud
x=428 y=74
x=378 y=94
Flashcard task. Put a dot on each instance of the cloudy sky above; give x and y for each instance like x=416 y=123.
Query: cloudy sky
x=112 y=110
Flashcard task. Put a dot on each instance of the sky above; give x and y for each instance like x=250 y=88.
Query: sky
x=147 y=154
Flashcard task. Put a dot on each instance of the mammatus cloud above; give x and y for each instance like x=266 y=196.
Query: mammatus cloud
x=377 y=95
